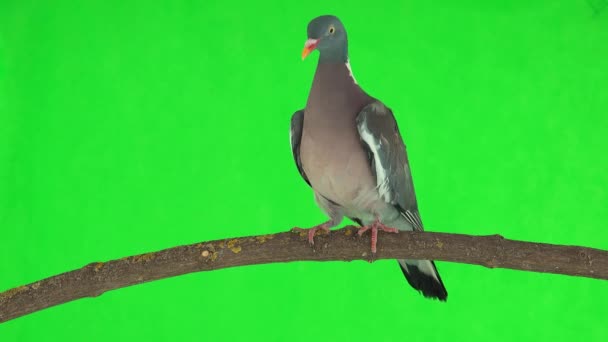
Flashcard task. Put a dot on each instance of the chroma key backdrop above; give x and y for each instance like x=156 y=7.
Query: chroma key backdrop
x=133 y=126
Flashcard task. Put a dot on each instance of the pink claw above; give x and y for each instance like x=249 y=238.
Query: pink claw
x=377 y=225
x=312 y=231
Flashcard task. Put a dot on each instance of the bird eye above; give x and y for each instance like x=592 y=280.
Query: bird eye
x=332 y=29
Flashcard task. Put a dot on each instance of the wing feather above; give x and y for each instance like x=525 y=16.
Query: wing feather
x=387 y=155
x=295 y=136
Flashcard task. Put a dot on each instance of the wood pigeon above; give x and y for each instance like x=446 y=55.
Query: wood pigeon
x=347 y=147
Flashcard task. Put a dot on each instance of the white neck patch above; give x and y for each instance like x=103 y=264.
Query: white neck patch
x=350 y=71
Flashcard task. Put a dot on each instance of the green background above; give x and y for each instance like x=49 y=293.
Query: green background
x=128 y=127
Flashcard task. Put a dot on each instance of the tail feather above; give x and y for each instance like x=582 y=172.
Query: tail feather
x=422 y=275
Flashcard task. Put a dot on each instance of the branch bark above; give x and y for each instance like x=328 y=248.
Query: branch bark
x=341 y=245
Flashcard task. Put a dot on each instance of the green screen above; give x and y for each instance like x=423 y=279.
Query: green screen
x=128 y=127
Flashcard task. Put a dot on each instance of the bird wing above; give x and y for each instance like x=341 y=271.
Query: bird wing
x=380 y=136
x=295 y=136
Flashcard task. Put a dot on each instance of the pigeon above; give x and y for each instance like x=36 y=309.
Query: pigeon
x=348 y=148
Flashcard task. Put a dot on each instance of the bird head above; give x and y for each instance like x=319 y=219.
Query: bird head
x=327 y=34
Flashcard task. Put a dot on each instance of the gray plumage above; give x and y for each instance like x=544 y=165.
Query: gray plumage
x=348 y=148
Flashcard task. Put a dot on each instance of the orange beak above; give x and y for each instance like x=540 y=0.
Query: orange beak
x=309 y=46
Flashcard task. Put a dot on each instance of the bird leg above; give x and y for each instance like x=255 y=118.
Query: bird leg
x=374 y=227
x=311 y=231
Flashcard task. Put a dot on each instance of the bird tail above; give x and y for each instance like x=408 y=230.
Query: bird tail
x=423 y=276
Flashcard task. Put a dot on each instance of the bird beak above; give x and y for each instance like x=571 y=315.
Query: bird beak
x=309 y=46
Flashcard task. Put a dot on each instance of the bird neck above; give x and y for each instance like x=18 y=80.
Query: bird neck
x=339 y=55
x=333 y=79
x=335 y=71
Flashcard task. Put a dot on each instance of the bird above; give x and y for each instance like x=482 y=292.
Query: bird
x=348 y=148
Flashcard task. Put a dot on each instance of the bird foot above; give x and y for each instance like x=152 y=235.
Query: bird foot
x=374 y=227
x=312 y=231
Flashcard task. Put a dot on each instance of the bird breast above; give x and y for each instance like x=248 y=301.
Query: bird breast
x=335 y=164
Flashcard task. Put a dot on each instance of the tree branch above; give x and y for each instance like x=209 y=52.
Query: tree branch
x=343 y=245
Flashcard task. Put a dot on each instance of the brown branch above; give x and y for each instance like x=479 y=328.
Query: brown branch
x=490 y=251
